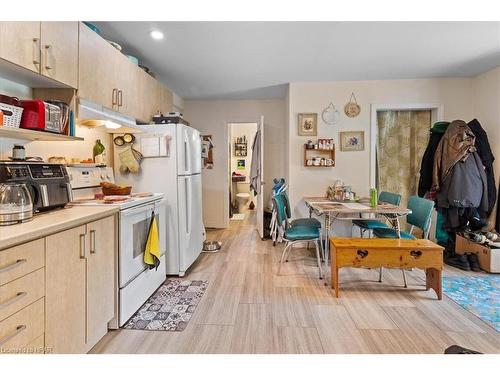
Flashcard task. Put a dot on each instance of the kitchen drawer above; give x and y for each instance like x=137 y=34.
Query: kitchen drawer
x=21 y=260
x=21 y=292
x=397 y=258
x=22 y=328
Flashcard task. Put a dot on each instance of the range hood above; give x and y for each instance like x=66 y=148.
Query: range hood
x=93 y=115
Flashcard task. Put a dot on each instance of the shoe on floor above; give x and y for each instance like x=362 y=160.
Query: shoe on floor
x=473 y=262
x=458 y=261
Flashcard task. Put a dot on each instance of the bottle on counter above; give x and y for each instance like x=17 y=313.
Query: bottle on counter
x=99 y=152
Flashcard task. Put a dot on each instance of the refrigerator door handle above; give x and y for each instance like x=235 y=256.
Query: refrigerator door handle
x=187 y=185
x=187 y=153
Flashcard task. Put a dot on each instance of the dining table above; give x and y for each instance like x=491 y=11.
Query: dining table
x=333 y=210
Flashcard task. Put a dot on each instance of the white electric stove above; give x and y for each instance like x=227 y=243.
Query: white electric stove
x=135 y=280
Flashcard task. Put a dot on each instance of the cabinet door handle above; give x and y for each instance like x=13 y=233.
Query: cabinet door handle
x=17 y=297
x=114 y=96
x=36 y=51
x=82 y=246
x=10 y=336
x=120 y=98
x=47 y=57
x=92 y=241
x=16 y=264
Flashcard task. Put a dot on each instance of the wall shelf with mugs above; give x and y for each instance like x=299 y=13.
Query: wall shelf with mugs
x=319 y=155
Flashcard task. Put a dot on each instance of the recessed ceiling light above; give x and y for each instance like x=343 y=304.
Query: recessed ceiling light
x=156 y=35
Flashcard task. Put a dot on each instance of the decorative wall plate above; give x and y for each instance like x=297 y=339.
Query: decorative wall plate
x=352 y=108
x=330 y=115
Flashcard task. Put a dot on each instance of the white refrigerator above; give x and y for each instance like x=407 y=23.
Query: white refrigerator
x=171 y=165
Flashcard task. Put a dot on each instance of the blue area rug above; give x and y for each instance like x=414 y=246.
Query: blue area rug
x=479 y=295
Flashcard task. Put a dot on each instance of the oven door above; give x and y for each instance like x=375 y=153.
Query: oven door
x=134 y=226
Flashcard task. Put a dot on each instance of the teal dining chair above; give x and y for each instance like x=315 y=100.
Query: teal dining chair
x=295 y=234
x=304 y=221
x=420 y=217
x=371 y=224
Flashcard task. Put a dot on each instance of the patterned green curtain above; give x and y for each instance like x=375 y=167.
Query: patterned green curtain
x=402 y=139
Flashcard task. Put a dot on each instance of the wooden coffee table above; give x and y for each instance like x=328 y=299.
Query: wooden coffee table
x=388 y=253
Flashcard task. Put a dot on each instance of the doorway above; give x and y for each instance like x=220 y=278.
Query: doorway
x=401 y=141
x=398 y=138
x=241 y=198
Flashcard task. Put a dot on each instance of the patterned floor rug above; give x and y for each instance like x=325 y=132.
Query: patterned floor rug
x=479 y=295
x=170 y=308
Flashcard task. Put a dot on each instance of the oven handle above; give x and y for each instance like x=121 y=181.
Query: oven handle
x=136 y=210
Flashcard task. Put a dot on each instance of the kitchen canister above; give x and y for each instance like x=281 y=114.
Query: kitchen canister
x=18 y=152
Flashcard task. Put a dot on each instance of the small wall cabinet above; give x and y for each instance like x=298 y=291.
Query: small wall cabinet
x=46 y=48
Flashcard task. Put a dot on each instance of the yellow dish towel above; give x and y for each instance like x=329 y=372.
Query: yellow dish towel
x=152 y=250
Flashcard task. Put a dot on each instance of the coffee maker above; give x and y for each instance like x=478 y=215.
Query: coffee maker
x=48 y=184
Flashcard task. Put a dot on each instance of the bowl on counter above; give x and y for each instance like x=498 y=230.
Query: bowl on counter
x=123 y=190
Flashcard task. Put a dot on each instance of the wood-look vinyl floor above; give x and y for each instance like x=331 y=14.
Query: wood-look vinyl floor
x=248 y=308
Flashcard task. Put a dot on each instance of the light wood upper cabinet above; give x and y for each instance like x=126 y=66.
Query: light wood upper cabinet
x=20 y=44
x=98 y=73
x=65 y=282
x=59 y=51
x=129 y=98
x=100 y=278
x=167 y=99
x=156 y=97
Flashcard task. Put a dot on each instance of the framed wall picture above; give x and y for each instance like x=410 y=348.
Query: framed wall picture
x=207 y=151
x=308 y=124
x=352 y=141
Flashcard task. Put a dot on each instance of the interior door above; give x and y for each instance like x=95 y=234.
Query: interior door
x=191 y=229
x=260 y=195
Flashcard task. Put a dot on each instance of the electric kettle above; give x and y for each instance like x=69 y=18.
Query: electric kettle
x=16 y=205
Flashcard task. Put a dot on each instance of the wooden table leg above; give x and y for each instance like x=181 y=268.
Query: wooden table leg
x=335 y=274
x=434 y=281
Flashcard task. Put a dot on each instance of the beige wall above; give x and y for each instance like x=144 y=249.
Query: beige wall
x=486 y=108
x=455 y=96
x=212 y=117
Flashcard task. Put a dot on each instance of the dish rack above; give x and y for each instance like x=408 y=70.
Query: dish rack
x=11 y=115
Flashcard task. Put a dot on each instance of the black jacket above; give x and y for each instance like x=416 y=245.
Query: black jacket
x=486 y=155
x=427 y=164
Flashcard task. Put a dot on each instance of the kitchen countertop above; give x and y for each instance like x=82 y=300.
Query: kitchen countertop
x=47 y=223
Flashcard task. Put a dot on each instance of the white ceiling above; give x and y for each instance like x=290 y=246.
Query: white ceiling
x=255 y=60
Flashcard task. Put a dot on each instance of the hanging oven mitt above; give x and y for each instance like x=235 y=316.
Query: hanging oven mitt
x=152 y=250
x=129 y=161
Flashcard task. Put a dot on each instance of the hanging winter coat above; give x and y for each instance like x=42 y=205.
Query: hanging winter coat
x=427 y=164
x=465 y=187
x=457 y=143
x=486 y=155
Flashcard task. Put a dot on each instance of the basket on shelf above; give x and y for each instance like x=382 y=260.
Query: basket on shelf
x=11 y=115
